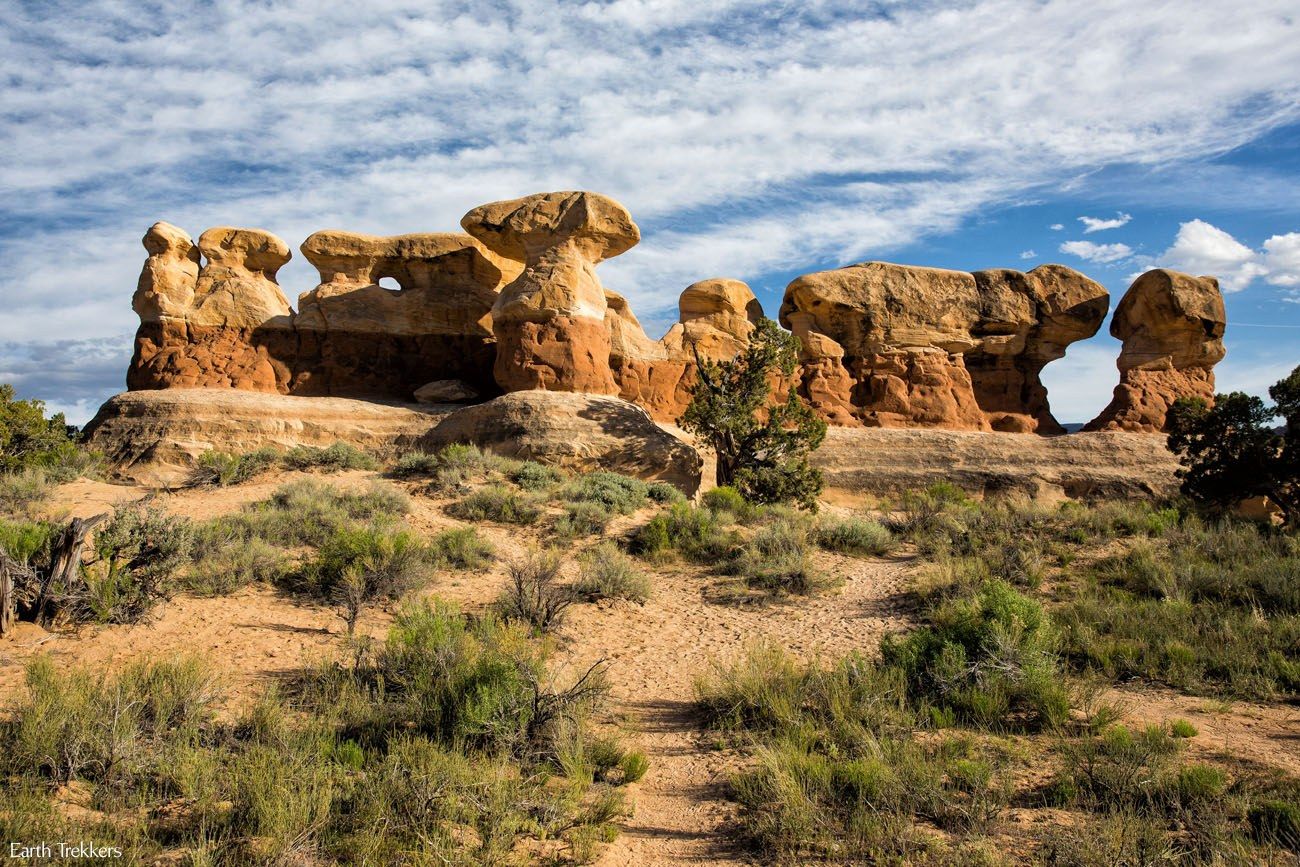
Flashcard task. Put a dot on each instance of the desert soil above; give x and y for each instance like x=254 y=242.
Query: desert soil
x=655 y=653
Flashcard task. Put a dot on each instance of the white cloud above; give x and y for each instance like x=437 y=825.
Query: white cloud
x=1282 y=259
x=1098 y=224
x=1202 y=248
x=735 y=132
x=1028 y=254
x=1056 y=227
x=1099 y=253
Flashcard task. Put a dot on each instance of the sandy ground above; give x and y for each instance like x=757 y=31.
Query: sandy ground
x=655 y=652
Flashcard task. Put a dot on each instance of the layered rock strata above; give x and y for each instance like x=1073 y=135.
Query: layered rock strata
x=1172 y=326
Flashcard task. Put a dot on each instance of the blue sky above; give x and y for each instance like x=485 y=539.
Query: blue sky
x=756 y=140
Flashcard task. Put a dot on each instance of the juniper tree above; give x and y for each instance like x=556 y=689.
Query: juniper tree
x=762 y=444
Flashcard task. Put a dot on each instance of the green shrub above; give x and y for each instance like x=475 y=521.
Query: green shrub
x=461 y=548
x=1181 y=728
x=532 y=476
x=607 y=573
x=663 y=492
x=22 y=492
x=855 y=536
x=634 y=766
x=29 y=440
x=990 y=658
x=1276 y=823
x=776 y=560
x=697 y=534
x=332 y=459
x=725 y=498
x=223 y=468
x=27 y=541
x=613 y=491
x=360 y=565
x=414 y=464
x=581 y=519
x=308 y=512
x=139 y=551
x=224 y=562
x=535 y=594
x=496 y=503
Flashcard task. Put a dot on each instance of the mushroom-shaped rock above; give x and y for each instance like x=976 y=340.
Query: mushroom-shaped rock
x=1172 y=327
x=230 y=328
x=166 y=286
x=549 y=321
x=715 y=319
x=823 y=380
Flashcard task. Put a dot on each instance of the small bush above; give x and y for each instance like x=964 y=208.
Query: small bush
x=496 y=503
x=139 y=551
x=224 y=562
x=727 y=499
x=224 y=469
x=415 y=464
x=581 y=519
x=29 y=440
x=461 y=548
x=1181 y=728
x=697 y=534
x=855 y=536
x=22 y=492
x=634 y=766
x=308 y=512
x=1276 y=823
x=535 y=595
x=332 y=459
x=360 y=565
x=608 y=573
x=777 y=560
x=663 y=492
x=615 y=492
x=532 y=476
x=989 y=658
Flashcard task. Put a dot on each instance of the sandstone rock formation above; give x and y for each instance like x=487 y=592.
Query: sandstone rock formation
x=220 y=325
x=549 y=321
x=226 y=324
x=153 y=437
x=901 y=346
x=356 y=337
x=579 y=432
x=715 y=318
x=1172 y=326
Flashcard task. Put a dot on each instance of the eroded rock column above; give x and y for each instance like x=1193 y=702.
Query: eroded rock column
x=228 y=326
x=549 y=322
x=1172 y=326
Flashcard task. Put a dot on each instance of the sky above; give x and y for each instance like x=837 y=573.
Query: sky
x=749 y=139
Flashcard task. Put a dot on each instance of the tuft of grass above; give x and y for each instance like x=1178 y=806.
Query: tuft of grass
x=855 y=536
x=776 y=559
x=607 y=573
x=581 y=519
x=496 y=503
x=730 y=501
x=24 y=492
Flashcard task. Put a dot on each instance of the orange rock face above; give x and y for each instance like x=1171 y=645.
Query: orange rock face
x=549 y=322
x=1172 y=326
x=898 y=346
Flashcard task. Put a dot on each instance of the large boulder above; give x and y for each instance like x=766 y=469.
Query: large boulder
x=549 y=321
x=1172 y=327
x=578 y=432
x=901 y=346
x=223 y=324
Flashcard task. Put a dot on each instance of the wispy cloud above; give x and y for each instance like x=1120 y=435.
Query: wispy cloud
x=748 y=137
x=1099 y=224
x=1100 y=253
x=1028 y=254
x=1057 y=227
